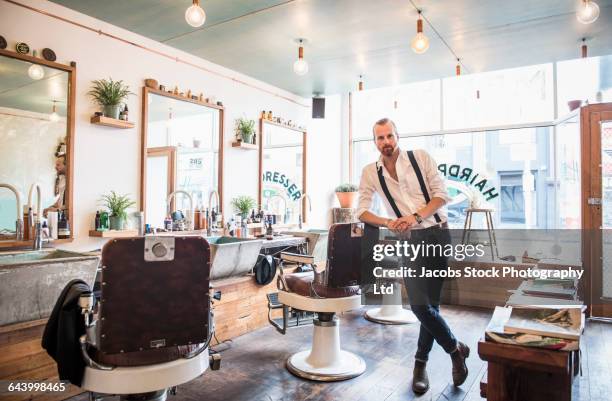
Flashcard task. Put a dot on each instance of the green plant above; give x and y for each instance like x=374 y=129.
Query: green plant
x=109 y=92
x=243 y=204
x=245 y=126
x=347 y=188
x=117 y=204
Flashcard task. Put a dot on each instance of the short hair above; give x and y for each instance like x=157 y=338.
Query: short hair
x=384 y=121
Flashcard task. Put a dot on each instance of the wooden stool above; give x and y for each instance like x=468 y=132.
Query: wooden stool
x=467 y=228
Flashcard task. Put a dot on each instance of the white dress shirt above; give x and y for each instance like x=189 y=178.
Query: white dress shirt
x=406 y=192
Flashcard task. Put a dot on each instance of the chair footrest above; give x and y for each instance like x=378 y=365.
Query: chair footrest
x=273 y=301
x=297 y=258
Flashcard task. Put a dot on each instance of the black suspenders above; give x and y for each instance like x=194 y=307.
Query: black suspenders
x=419 y=175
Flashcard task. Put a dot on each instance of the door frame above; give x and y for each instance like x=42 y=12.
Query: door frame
x=591 y=117
x=170 y=153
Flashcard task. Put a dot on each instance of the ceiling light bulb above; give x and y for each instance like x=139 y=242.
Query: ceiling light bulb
x=54 y=116
x=195 y=15
x=587 y=12
x=36 y=72
x=300 y=67
x=420 y=42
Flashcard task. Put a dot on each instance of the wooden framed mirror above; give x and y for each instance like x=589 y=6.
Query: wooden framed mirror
x=182 y=149
x=37 y=101
x=282 y=171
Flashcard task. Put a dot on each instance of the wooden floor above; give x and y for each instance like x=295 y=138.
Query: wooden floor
x=253 y=369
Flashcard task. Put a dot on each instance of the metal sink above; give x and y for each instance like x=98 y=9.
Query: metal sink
x=317 y=242
x=232 y=256
x=31 y=281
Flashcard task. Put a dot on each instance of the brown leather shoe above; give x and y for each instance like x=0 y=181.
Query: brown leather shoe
x=420 y=381
x=460 y=370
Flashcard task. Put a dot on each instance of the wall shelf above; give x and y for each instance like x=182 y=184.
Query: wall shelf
x=113 y=233
x=298 y=129
x=243 y=145
x=111 y=122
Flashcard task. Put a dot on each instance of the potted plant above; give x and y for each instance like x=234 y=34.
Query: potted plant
x=245 y=129
x=346 y=194
x=243 y=205
x=109 y=94
x=117 y=206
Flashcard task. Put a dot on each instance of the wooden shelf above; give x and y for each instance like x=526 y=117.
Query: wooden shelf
x=111 y=122
x=185 y=98
x=243 y=145
x=283 y=125
x=113 y=233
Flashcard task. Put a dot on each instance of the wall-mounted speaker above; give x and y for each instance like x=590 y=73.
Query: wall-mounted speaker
x=318 y=107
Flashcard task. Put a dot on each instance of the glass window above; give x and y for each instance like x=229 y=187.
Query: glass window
x=514 y=96
x=488 y=169
x=413 y=107
x=584 y=79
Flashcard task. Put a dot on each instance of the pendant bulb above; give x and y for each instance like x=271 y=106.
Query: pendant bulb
x=458 y=68
x=420 y=42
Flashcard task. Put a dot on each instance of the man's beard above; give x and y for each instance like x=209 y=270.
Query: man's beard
x=387 y=151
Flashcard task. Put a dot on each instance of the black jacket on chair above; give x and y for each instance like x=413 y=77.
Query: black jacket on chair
x=62 y=332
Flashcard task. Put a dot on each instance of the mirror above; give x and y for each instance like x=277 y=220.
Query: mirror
x=36 y=122
x=182 y=151
x=282 y=172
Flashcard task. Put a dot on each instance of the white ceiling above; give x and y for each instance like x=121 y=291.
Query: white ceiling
x=347 y=38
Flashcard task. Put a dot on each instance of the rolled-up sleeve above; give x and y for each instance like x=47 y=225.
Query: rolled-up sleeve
x=435 y=181
x=366 y=193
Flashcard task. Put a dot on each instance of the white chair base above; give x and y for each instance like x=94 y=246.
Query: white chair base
x=391 y=314
x=325 y=361
x=391 y=311
x=144 y=379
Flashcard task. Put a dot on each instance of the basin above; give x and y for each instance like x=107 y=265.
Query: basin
x=232 y=256
x=31 y=281
x=317 y=242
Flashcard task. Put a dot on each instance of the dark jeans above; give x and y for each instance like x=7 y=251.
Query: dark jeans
x=424 y=295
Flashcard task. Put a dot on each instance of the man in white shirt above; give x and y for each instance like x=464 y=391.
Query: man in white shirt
x=412 y=189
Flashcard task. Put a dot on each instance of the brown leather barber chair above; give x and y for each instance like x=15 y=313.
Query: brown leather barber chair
x=153 y=323
x=328 y=292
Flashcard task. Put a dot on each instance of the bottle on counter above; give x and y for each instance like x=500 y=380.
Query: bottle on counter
x=125 y=113
x=63 y=227
x=168 y=223
x=97 y=220
x=197 y=215
x=269 y=231
x=26 y=223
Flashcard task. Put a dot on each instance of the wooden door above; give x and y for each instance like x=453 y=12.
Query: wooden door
x=597 y=206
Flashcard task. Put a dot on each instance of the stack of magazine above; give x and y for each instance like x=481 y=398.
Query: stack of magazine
x=545 y=292
x=550 y=327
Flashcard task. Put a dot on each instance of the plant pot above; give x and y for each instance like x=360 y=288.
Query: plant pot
x=117 y=223
x=112 y=111
x=247 y=137
x=346 y=199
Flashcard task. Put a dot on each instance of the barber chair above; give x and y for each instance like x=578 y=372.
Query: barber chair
x=153 y=323
x=328 y=292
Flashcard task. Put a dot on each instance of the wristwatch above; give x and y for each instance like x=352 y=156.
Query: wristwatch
x=418 y=218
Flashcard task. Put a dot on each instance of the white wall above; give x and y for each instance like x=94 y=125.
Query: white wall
x=109 y=159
